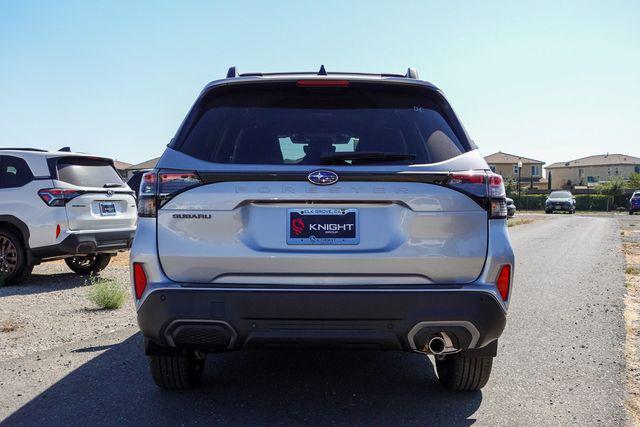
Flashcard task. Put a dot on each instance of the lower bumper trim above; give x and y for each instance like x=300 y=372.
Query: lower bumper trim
x=86 y=243
x=233 y=319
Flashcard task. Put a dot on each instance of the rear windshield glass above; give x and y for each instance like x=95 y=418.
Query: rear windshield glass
x=300 y=126
x=88 y=173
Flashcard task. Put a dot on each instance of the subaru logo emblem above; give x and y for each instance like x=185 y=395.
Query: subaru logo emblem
x=323 y=177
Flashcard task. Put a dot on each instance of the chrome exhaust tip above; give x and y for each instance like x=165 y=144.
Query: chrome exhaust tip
x=436 y=345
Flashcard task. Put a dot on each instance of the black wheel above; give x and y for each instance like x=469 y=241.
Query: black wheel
x=13 y=260
x=88 y=264
x=458 y=373
x=176 y=372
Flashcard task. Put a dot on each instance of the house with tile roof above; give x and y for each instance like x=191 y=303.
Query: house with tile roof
x=506 y=165
x=589 y=171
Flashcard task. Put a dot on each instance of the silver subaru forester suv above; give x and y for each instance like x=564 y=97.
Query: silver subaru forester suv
x=330 y=210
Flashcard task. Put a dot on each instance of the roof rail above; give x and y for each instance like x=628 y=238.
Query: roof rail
x=22 y=149
x=411 y=73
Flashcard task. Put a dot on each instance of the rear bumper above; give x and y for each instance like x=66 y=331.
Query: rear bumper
x=232 y=319
x=83 y=243
x=235 y=316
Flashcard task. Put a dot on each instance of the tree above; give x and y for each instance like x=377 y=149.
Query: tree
x=510 y=186
x=614 y=187
x=634 y=181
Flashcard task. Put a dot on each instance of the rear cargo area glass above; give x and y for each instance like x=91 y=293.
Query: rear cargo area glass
x=304 y=126
x=88 y=172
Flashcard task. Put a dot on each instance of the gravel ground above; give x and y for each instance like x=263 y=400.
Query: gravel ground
x=561 y=360
x=52 y=308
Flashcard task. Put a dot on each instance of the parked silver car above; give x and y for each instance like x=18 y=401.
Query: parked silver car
x=322 y=210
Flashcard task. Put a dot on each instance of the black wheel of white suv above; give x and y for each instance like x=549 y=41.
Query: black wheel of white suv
x=13 y=261
x=459 y=373
x=177 y=372
x=88 y=264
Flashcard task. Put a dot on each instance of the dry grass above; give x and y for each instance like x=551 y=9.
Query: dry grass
x=633 y=271
x=8 y=326
x=512 y=222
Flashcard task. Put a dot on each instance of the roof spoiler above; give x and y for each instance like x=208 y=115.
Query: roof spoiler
x=411 y=73
x=23 y=149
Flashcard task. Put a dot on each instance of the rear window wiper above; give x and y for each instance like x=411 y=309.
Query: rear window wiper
x=111 y=185
x=366 y=157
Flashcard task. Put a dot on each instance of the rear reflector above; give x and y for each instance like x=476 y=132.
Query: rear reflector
x=504 y=281
x=58 y=230
x=323 y=83
x=139 y=279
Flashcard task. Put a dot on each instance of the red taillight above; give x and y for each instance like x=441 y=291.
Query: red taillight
x=172 y=182
x=57 y=196
x=504 y=282
x=486 y=186
x=158 y=187
x=323 y=83
x=58 y=230
x=469 y=182
x=147 y=195
x=139 y=279
x=496 y=186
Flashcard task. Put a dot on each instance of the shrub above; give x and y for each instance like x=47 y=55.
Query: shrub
x=593 y=202
x=634 y=181
x=107 y=293
x=584 y=202
x=530 y=202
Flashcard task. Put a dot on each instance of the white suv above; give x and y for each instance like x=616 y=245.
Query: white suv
x=56 y=205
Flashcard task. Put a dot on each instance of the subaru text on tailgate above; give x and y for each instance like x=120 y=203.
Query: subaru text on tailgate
x=326 y=210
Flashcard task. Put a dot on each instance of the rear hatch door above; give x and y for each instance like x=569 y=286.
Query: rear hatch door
x=254 y=208
x=103 y=200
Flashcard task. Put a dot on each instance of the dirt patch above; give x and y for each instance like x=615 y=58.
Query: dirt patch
x=631 y=249
x=52 y=308
x=8 y=325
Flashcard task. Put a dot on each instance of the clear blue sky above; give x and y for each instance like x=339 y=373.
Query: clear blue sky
x=552 y=80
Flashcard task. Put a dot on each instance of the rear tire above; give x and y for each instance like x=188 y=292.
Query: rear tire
x=458 y=373
x=13 y=259
x=89 y=264
x=176 y=372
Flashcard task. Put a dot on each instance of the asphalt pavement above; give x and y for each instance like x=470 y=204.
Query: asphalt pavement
x=560 y=361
